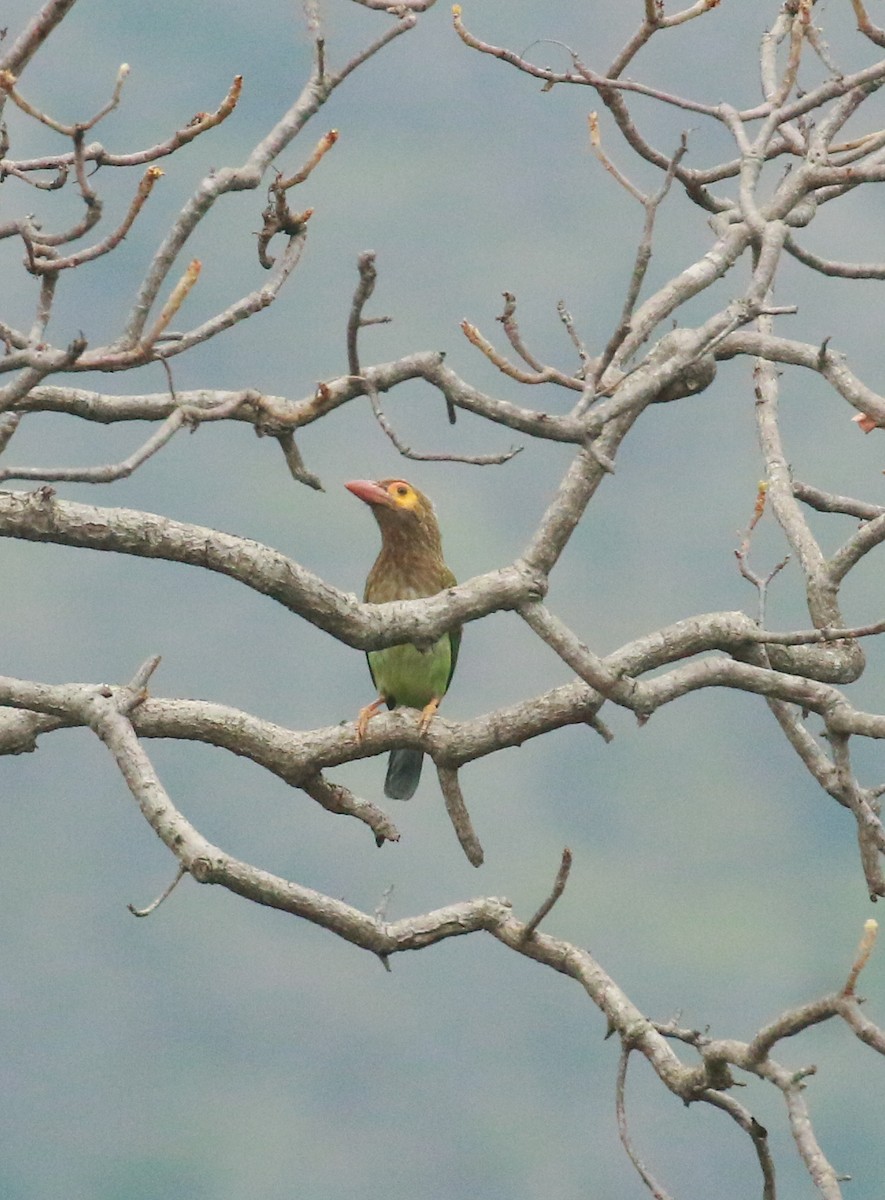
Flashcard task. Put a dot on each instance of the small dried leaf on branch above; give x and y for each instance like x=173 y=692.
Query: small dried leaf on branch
x=865 y=422
x=742 y=552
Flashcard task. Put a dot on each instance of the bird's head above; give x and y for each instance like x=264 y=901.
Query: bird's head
x=392 y=500
x=400 y=509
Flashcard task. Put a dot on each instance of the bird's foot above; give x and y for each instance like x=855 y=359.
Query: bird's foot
x=365 y=715
x=427 y=714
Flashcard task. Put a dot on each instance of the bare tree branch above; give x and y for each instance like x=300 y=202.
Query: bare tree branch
x=787 y=157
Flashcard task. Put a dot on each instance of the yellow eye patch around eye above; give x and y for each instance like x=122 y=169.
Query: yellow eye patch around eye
x=403 y=494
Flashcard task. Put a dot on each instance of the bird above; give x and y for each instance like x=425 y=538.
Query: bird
x=410 y=565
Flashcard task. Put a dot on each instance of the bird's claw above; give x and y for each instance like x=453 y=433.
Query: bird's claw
x=364 y=717
x=427 y=714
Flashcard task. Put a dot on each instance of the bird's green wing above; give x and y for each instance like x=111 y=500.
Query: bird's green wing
x=447 y=580
x=371 y=672
x=455 y=646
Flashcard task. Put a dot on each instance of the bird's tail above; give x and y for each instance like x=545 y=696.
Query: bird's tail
x=403 y=773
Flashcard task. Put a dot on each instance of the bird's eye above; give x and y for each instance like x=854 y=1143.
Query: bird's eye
x=402 y=490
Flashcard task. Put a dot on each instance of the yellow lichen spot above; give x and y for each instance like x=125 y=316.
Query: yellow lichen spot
x=456 y=10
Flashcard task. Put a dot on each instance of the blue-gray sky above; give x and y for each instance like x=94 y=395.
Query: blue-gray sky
x=220 y=1050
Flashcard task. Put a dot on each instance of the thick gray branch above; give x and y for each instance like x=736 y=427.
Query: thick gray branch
x=40 y=517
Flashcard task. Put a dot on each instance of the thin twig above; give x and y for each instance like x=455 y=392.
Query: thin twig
x=155 y=904
x=336 y=798
x=646 y=1176
x=862 y=957
x=830 y=502
x=295 y=462
x=508 y=322
x=383 y=906
x=568 y=321
x=182 y=416
x=459 y=816
x=651 y=204
x=9 y=422
x=558 y=888
x=176 y=298
x=7 y=84
x=602 y=157
x=544 y=375
x=364 y=289
x=757 y=1133
x=760 y=582
x=95 y=153
x=476 y=460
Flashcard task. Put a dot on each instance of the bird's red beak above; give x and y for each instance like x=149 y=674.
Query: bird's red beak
x=368 y=491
